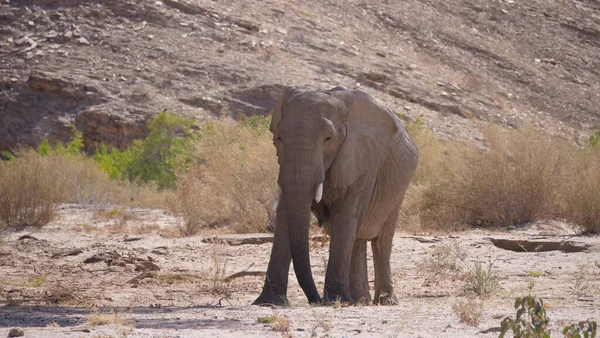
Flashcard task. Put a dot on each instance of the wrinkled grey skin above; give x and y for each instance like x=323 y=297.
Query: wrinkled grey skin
x=365 y=160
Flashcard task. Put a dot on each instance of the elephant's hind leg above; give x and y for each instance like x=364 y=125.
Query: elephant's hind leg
x=382 y=249
x=359 y=277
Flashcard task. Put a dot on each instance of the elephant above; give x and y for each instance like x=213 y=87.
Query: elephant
x=349 y=161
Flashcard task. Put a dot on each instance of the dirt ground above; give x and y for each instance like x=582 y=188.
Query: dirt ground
x=121 y=272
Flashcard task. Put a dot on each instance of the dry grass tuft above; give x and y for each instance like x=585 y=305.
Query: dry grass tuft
x=469 y=311
x=108 y=318
x=231 y=179
x=281 y=324
x=585 y=281
x=61 y=294
x=176 y=278
x=444 y=263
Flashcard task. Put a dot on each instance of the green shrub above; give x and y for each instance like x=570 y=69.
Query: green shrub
x=583 y=329
x=594 y=138
x=531 y=320
x=73 y=147
x=153 y=158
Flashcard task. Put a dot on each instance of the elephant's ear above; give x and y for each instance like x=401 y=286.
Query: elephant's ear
x=276 y=116
x=370 y=130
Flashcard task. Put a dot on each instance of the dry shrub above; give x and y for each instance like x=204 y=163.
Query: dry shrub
x=517 y=177
x=83 y=182
x=579 y=198
x=513 y=181
x=445 y=262
x=432 y=156
x=469 y=311
x=231 y=178
x=32 y=186
x=281 y=324
x=28 y=197
x=482 y=280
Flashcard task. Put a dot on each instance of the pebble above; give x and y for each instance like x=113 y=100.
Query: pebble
x=16 y=332
x=31 y=47
x=83 y=41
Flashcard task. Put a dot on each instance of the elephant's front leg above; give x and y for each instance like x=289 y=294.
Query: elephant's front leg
x=343 y=231
x=275 y=288
x=359 y=277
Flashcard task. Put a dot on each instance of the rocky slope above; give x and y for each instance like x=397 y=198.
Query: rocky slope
x=108 y=66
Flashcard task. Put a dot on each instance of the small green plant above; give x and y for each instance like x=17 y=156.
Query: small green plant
x=7 y=155
x=73 y=147
x=265 y=319
x=535 y=274
x=532 y=278
x=594 y=138
x=36 y=282
x=531 y=284
x=482 y=280
x=530 y=321
x=583 y=329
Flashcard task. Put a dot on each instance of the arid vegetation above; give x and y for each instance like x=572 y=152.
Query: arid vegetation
x=224 y=176
x=514 y=177
x=34 y=183
x=230 y=180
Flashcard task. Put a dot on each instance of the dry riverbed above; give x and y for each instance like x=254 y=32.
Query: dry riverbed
x=114 y=271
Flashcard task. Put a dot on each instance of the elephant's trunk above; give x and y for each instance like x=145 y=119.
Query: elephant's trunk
x=300 y=187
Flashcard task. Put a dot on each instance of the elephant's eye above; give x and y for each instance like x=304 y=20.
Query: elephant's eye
x=327 y=138
x=278 y=138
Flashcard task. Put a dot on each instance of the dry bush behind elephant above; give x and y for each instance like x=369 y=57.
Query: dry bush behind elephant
x=350 y=161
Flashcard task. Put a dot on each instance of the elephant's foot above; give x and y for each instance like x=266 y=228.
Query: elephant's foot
x=385 y=299
x=331 y=297
x=267 y=298
x=362 y=300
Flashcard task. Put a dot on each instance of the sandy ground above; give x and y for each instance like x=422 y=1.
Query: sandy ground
x=49 y=287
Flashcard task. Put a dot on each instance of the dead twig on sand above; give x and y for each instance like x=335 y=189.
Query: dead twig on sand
x=244 y=273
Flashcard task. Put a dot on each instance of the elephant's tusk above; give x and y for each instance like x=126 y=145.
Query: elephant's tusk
x=319 y=193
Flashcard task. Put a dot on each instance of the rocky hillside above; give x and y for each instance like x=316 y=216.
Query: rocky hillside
x=108 y=66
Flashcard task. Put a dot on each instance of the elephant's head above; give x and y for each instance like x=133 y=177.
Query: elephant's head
x=323 y=136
